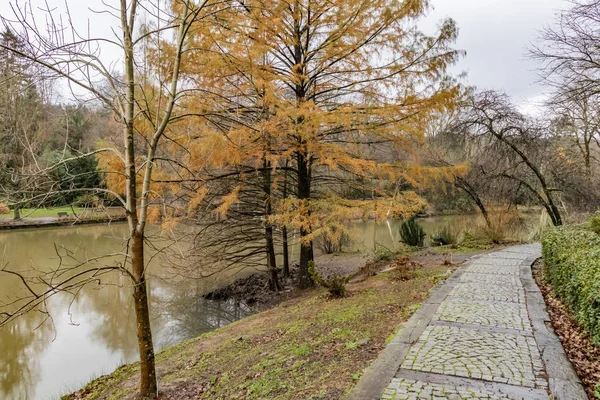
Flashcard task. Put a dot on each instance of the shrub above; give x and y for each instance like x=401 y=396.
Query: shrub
x=404 y=269
x=383 y=254
x=336 y=285
x=4 y=209
x=444 y=237
x=594 y=222
x=411 y=233
x=87 y=200
x=572 y=267
x=333 y=241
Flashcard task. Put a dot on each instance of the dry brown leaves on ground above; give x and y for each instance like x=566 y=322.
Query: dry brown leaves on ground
x=584 y=355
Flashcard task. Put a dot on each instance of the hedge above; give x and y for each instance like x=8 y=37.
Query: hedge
x=572 y=267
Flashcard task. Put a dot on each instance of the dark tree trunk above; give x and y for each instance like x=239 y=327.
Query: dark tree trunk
x=286 y=255
x=17 y=210
x=548 y=202
x=306 y=247
x=284 y=232
x=148 y=385
x=270 y=246
x=472 y=193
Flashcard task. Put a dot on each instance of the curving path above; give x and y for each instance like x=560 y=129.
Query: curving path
x=484 y=334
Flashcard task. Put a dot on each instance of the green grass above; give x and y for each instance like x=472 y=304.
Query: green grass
x=312 y=347
x=44 y=212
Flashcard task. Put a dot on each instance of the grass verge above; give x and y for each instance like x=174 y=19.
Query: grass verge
x=43 y=212
x=310 y=347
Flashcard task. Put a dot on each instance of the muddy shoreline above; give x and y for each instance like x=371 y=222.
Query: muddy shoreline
x=254 y=289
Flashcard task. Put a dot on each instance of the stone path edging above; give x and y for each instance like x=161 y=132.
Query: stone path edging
x=427 y=354
x=384 y=368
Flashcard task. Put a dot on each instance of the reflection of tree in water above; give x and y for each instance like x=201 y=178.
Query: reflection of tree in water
x=116 y=326
x=187 y=314
x=21 y=345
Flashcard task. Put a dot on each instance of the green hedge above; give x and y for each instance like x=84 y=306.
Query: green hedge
x=572 y=267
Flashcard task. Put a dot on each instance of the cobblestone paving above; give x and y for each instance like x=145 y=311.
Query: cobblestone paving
x=407 y=389
x=495 y=269
x=491 y=356
x=489 y=291
x=497 y=314
x=480 y=333
x=491 y=278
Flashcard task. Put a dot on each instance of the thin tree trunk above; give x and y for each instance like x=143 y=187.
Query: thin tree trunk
x=549 y=200
x=472 y=193
x=286 y=255
x=284 y=233
x=306 y=247
x=148 y=384
x=17 y=210
x=271 y=258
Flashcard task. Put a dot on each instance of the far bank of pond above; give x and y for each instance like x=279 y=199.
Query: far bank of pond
x=97 y=333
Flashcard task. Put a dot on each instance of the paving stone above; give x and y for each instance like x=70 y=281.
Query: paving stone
x=497 y=314
x=495 y=269
x=498 y=280
x=489 y=291
x=506 y=358
x=401 y=388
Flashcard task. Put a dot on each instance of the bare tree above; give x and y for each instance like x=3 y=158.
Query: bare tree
x=568 y=52
x=522 y=143
x=137 y=97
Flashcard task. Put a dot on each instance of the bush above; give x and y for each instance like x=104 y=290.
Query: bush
x=333 y=241
x=383 y=254
x=87 y=200
x=4 y=209
x=411 y=233
x=444 y=237
x=594 y=222
x=336 y=285
x=404 y=269
x=572 y=267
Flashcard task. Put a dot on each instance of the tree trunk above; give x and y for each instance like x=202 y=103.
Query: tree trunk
x=548 y=202
x=270 y=247
x=286 y=254
x=17 y=210
x=148 y=385
x=306 y=247
x=472 y=193
x=284 y=233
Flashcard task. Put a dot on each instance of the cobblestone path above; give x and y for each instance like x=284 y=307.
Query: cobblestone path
x=483 y=335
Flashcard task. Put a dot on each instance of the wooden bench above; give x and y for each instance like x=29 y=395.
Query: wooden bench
x=62 y=214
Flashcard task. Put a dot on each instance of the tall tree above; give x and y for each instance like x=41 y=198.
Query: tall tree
x=22 y=112
x=335 y=78
x=142 y=99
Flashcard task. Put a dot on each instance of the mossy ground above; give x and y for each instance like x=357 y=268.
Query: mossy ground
x=310 y=347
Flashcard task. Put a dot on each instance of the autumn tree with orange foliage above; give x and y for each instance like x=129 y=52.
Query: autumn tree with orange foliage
x=333 y=91
x=142 y=97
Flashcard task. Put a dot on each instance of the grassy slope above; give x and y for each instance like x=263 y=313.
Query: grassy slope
x=311 y=347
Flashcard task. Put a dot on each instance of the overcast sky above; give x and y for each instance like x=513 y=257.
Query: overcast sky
x=495 y=34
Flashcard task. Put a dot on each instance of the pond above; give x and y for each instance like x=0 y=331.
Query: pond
x=96 y=333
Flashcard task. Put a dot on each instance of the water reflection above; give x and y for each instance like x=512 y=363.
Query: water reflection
x=94 y=332
x=20 y=344
x=188 y=314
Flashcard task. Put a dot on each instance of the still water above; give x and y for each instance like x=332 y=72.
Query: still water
x=95 y=333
